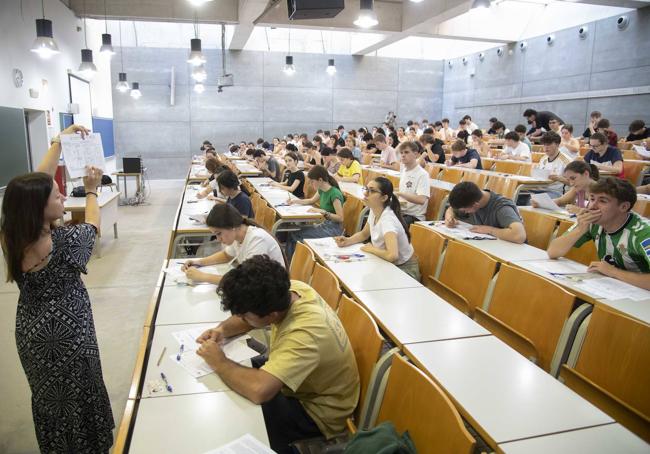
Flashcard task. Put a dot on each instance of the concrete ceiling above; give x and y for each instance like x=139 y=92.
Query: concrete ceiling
x=397 y=19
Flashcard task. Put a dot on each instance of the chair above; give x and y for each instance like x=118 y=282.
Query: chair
x=366 y=159
x=436 y=203
x=539 y=228
x=302 y=263
x=434 y=170
x=268 y=218
x=352 y=209
x=609 y=366
x=537 y=156
x=260 y=211
x=488 y=163
x=459 y=258
x=478 y=177
x=633 y=171
x=366 y=343
x=326 y=285
x=452 y=175
x=510 y=167
x=428 y=246
x=538 y=148
x=585 y=254
x=527 y=312
x=642 y=207
x=413 y=402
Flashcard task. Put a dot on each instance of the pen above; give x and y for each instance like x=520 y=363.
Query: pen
x=180 y=352
x=167 y=385
x=161 y=356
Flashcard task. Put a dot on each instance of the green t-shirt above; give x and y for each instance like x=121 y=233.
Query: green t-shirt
x=328 y=197
x=628 y=247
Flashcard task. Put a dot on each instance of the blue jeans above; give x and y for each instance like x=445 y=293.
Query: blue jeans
x=324 y=230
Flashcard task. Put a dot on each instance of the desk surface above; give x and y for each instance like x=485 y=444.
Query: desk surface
x=508 y=397
x=180 y=380
x=183 y=304
x=611 y=438
x=79 y=203
x=418 y=315
x=195 y=423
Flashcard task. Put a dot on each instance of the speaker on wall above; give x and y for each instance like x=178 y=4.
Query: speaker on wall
x=314 y=9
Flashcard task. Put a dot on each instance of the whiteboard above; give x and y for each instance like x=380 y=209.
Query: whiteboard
x=80 y=94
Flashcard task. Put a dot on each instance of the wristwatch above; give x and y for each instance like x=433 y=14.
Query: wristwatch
x=55 y=139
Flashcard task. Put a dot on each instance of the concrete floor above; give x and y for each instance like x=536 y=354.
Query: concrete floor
x=120 y=284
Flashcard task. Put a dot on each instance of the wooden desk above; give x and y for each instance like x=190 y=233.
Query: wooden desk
x=175 y=265
x=194 y=423
x=502 y=394
x=124 y=175
x=183 y=304
x=418 y=315
x=608 y=439
x=107 y=202
x=247 y=170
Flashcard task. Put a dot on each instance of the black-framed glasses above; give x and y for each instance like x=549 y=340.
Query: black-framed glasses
x=368 y=190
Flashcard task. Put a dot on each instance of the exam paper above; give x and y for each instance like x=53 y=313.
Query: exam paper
x=612 y=289
x=641 y=151
x=545 y=201
x=541 y=174
x=558 y=266
x=330 y=251
x=246 y=444
x=79 y=153
x=462 y=230
x=236 y=350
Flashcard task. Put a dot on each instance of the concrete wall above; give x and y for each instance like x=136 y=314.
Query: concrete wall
x=608 y=71
x=264 y=101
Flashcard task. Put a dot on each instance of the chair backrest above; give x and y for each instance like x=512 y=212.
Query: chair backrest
x=508 y=167
x=537 y=148
x=413 y=402
x=528 y=306
x=366 y=158
x=452 y=175
x=302 y=264
x=633 y=171
x=480 y=178
x=642 y=207
x=352 y=209
x=436 y=198
x=488 y=163
x=308 y=188
x=434 y=170
x=459 y=259
x=585 y=254
x=365 y=340
x=268 y=218
x=613 y=368
x=537 y=156
x=326 y=285
x=428 y=246
x=496 y=183
x=260 y=211
x=539 y=228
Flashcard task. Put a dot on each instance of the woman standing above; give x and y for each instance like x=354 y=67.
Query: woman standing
x=55 y=332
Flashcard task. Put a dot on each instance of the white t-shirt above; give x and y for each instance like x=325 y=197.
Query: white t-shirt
x=215 y=187
x=415 y=181
x=520 y=150
x=387 y=223
x=256 y=242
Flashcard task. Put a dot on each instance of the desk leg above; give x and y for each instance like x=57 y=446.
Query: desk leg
x=126 y=190
x=115 y=230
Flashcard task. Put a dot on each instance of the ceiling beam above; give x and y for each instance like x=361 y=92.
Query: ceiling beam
x=465 y=38
x=616 y=3
x=249 y=10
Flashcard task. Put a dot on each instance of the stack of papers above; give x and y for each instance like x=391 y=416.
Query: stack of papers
x=330 y=252
x=246 y=444
x=641 y=151
x=462 y=231
x=612 y=289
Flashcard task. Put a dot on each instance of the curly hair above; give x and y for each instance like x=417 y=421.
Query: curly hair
x=260 y=285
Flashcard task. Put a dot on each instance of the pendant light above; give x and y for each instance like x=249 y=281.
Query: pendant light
x=44 y=44
x=199 y=74
x=87 y=67
x=196 y=55
x=135 y=90
x=199 y=88
x=480 y=4
x=331 y=68
x=289 y=69
x=107 y=41
x=367 y=17
x=199 y=2
x=122 y=85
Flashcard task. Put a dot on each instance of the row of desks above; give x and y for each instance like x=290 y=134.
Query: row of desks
x=505 y=397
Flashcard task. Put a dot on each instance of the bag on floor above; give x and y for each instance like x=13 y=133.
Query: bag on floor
x=79 y=191
x=382 y=439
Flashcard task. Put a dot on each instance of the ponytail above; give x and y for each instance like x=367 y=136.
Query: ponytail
x=386 y=188
x=582 y=167
x=321 y=173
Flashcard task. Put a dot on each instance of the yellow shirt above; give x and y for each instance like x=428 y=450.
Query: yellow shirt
x=355 y=167
x=312 y=356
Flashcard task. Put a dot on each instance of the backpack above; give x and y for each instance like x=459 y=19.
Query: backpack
x=382 y=439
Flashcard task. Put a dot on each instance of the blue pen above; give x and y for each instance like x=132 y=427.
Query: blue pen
x=180 y=352
x=167 y=385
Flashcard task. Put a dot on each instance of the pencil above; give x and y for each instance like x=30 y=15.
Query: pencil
x=161 y=356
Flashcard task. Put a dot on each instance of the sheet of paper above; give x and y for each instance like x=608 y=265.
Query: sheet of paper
x=79 y=153
x=236 y=351
x=641 y=151
x=246 y=444
x=541 y=174
x=558 y=266
x=613 y=289
x=545 y=201
x=462 y=230
x=328 y=249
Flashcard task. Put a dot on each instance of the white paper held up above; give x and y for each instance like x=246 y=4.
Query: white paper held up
x=79 y=153
x=545 y=201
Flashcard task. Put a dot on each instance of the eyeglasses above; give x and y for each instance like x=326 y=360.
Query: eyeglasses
x=371 y=190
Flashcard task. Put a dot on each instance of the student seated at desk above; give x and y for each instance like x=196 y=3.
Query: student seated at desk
x=267 y=164
x=433 y=151
x=386 y=229
x=311 y=155
x=229 y=186
x=622 y=237
x=638 y=131
x=604 y=156
x=521 y=130
x=214 y=167
x=570 y=146
x=330 y=199
x=350 y=169
x=330 y=161
x=310 y=383
x=489 y=212
x=554 y=161
x=579 y=175
x=515 y=149
x=388 y=158
x=603 y=127
x=480 y=143
x=413 y=184
x=294 y=178
x=461 y=156
x=242 y=239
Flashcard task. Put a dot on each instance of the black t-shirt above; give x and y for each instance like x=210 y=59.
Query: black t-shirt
x=243 y=204
x=291 y=177
x=644 y=135
x=437 y=150
x=587 y=133
x=471 y=154
x=542 y=118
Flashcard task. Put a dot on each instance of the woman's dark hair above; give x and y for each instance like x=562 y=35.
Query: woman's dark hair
x=345 y=153
x=381 y=131
x=478 y=133
x=233 y=149
x=568 y=127
x=393 y=135
x=226 y=216
x=260 y=285
x=321 y=173
x=213 y=165
x=386 y=188
x=23 y=207
x=293 y=156
x=327 y=151
x=367 y=137
x=427 y=139
x=582 y=167
x=340 y=142
x=291 y=147
x=228 y=179
x=462 y=135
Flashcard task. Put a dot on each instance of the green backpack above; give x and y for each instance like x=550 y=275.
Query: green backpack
x=382 y=439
